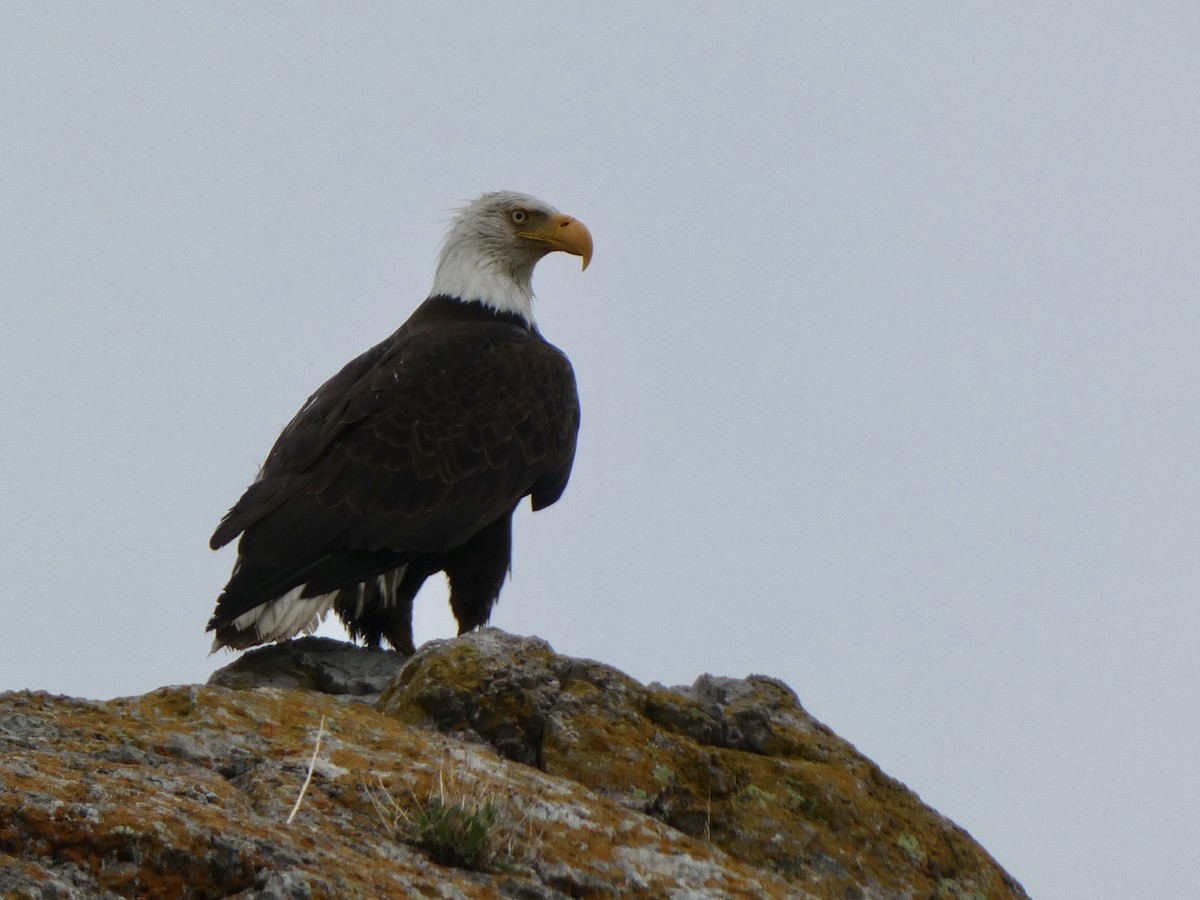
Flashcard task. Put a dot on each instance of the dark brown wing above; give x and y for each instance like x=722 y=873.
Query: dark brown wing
x=412 y=448
x=321 y=420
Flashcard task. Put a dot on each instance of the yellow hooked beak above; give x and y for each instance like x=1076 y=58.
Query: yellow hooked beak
x=563 y=233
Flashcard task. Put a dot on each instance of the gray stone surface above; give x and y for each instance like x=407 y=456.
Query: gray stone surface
x=314 y=664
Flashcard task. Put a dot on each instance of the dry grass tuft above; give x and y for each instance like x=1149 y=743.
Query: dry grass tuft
x=455 y=824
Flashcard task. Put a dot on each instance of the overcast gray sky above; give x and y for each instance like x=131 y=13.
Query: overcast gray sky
x=887 y=356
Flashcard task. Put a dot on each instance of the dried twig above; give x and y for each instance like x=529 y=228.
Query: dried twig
x=312 y=764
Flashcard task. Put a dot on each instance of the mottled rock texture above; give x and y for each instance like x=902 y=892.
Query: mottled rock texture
x=595 y=786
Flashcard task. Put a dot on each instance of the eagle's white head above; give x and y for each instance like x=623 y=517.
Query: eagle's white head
x=493 y=244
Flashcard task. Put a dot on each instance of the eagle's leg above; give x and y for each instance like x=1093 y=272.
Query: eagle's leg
x=476 y=572
x=397 y=616
x=397 y=626
x=381 y=609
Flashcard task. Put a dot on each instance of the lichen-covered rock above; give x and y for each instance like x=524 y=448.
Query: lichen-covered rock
x=737 y=763
x=185 y=792
x=589 y=783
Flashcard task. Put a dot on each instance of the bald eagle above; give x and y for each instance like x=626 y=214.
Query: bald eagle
x=412 y=458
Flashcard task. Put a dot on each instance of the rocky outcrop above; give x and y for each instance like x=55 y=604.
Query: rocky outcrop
x=486 y=766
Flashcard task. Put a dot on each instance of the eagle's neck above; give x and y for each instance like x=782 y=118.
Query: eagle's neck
x=469 y=275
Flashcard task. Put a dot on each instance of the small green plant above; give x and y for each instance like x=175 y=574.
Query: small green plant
x=454 y=834
x=454 y=827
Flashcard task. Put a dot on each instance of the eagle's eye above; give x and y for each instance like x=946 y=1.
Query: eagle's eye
x=519 y=216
